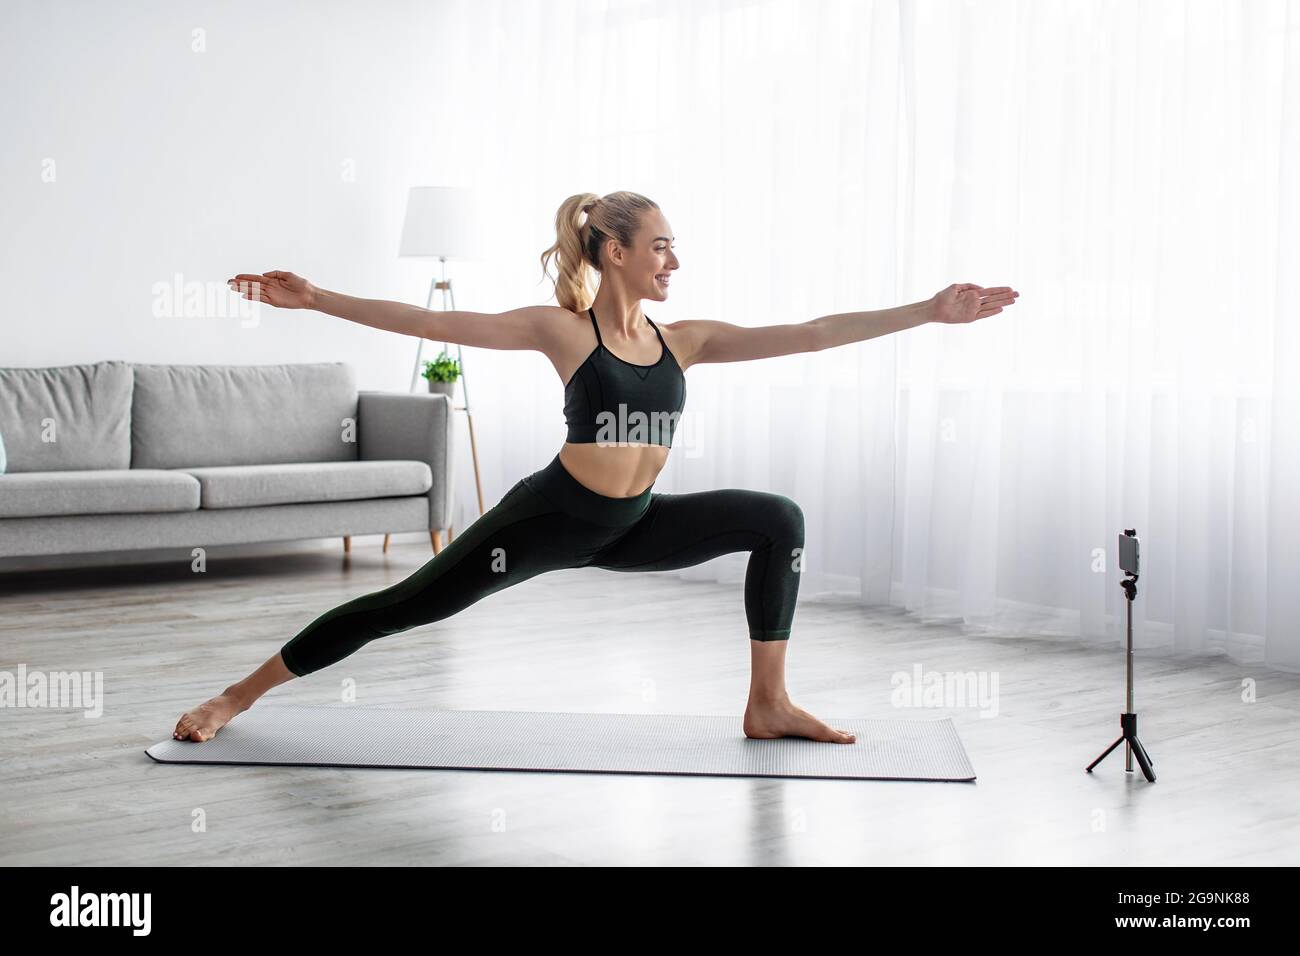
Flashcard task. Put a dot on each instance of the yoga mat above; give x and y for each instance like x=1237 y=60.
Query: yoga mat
x=349 y=736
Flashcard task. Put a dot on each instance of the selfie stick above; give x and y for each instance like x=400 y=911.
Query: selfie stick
x=1128 y=721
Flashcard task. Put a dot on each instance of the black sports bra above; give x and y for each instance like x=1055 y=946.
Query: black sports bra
x=609 y=400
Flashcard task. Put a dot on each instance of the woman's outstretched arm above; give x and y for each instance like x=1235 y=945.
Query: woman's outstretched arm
x=710 y=341
x=530 y=327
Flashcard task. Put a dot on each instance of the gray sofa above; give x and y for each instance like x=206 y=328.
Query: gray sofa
x=116 y=455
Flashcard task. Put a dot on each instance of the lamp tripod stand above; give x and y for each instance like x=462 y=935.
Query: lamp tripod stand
x=448 y=296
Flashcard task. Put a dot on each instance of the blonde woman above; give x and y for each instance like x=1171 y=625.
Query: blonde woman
x=593 y=505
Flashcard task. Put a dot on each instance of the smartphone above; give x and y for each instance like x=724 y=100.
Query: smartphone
x=1128 y=552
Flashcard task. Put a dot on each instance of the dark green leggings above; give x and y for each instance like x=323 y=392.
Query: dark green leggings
x=548 y=521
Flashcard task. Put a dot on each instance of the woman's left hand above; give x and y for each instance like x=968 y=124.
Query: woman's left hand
x=964 y=302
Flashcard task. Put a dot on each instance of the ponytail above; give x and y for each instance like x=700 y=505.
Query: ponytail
x=583 y=224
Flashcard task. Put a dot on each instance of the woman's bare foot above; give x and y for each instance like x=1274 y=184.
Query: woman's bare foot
x=765 y=719
x=203 y=722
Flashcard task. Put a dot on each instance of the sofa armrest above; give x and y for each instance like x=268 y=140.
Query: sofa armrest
x=412 y=427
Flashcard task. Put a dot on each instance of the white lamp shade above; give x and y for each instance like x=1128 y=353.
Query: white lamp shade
x=442 y=221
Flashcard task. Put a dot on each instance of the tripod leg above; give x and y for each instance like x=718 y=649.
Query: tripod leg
x=1104 y=753
x=1145 y=754
x=1144 y=760
x=1140 y=752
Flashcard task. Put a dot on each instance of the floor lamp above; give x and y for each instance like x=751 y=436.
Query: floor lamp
x=442 y=223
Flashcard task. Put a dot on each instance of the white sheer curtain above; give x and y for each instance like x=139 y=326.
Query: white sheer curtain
x=1129 y=167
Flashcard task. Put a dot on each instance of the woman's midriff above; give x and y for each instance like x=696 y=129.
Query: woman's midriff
x=616 y=471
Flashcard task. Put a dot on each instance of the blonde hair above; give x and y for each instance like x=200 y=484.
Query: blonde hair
x=583 y=224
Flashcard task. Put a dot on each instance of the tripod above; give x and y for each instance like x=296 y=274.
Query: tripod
x=1128 y=721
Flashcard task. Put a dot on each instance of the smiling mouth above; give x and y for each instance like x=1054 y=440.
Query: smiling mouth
x=662 y=279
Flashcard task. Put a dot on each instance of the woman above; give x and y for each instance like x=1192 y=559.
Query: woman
x=593 y=505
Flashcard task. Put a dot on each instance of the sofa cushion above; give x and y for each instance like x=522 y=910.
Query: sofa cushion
x=245 y=486
x=186 y=416
x=44 y=493
x=67 y=417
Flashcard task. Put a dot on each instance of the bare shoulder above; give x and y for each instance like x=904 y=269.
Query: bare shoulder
x=561 y=323
x=551 y=323
x=562 y=336
x=546 y=314
x=685 y=337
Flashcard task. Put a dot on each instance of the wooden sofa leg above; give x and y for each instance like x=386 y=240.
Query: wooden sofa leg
x=436 y=537
x=347 y=544
x=385 y=544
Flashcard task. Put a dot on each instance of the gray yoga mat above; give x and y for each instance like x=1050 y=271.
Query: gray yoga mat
x=886 y=749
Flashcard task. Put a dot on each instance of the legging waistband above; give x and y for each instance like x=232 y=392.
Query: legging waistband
x=556 y=485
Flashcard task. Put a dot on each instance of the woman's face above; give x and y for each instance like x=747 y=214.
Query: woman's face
x=651 y=260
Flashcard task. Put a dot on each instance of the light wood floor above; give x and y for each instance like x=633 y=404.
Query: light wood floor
x=81 y=791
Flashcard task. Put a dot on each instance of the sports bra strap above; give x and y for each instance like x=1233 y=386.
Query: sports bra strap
x=657 y=332
x=592 y=312
x=601 y=342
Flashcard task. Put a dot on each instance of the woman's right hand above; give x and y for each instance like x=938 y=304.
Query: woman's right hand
x=284 y=290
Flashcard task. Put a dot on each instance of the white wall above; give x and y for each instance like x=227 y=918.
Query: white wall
x=171 y=160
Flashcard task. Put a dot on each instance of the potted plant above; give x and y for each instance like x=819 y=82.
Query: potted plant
x=442 y=373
